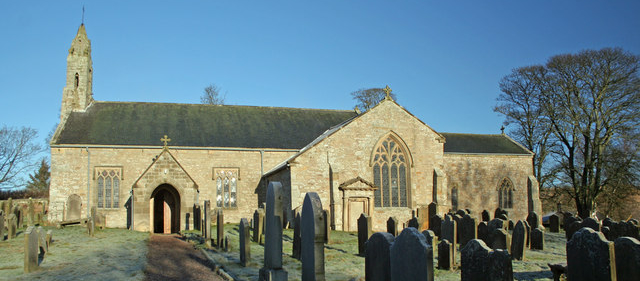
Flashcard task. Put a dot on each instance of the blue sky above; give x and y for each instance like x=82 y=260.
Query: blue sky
x=443 y=59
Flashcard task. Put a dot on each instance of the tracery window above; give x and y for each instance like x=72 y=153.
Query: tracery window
x=108 y=181
x=505 y=194
x=390 y=174
x=226 y=187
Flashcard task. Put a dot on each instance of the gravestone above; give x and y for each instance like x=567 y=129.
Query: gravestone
x=537 y=239
x=497 y=213
x=364 y=232
x=511 y=225
x=627 y=252
x=435 y=224
x=526 y=224
x=377 y=258
x=458 y=219
x=30 y=213
x=468 y=229
x=91 y=222
x=258 y=225
x=272 y=270
x=432 y=211
x=577 y=225
x=620 y=229
x=499 y=266
x=448 y=230
x=589 y=257
x=296 y=236
x=445 y=255
x=461 y=213
x=483 y=232
x=219 y=228
x=74 y=207
x=503 y=217
x=500 y=239
x=518 y=241
x=392 y=226
x=245 y=242
x=31 y=250
x=432 y=239
x=411 y=257
x=496 y=224
x=206 y=228
x=42 y=240
x=1 y=225
x=19 y=216
x=413 y=222
x=485 y=216
x=312 y=232
x=423 y=217
x=474 y=261
x=327 y=226
x=533 y=219
x=11 y=226
x=197 y=217
x=49 y=238
x=8 y=206
x=554 y=223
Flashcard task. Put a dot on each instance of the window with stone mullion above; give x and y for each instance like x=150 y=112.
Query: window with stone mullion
x=226 y=187
x=390 y=175
x=505 y=194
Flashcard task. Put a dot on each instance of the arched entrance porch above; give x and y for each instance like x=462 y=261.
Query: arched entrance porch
x=165 y=209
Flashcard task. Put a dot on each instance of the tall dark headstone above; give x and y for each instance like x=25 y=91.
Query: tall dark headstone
x=500 y=239
x=468 y=230
x=327 y=226
x=219 y=228
x=411 y=257
x=537 y=239
x=312 y=232
x=377 y=259
x=413 y=222
x=258 y=225
x=445 y=255
x=297 y=239
x=590 y=257
x=533 y=219
x=432 y=211
x=483 y=232
x=431 y=237
x=554 y=223
x=206 y=228
x=519 y=241
x=474 y=261
x=485 y=216
x=245 y=242
x=627 y=259
x=272 y=270
x=423 y=217
x=448 y=230
x=364 y=232
x=12 y=225
x=435 y=224
x=392 y=226
x=500 y=267
x=197 y=217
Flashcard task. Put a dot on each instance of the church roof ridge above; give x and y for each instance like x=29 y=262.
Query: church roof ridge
x=226 y=105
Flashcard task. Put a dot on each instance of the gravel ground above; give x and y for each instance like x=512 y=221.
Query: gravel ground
x=170 y=258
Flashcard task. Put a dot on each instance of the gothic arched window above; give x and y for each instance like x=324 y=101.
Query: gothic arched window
x=505 y=194
x=108 y=180
x=390 y=174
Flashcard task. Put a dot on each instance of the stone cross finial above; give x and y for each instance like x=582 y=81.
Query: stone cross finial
x=502 y=129
x=166 y=140
x=387 y=91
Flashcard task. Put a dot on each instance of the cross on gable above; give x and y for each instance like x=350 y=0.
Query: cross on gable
x=387 y=91
x=166 y=140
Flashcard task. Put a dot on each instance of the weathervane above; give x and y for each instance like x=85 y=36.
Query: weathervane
x=166 y=140
x=387 y=91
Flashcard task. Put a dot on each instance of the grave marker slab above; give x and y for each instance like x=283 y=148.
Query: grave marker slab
x=500 y=267
x=364 y=232
x=411 y=257
x=312 y=232
x=413 y=222
x=554 y=223
x=483 y=232
x=537 y=239
x=258 y=225
x=30 y=250
x=485 y=216
x=518 y=241
x=272 y=270
x=445 y=255
x=432 y=239
x=392 y=226
x=245 y=242
x=219 y=228
x=423 y=218
x=533 y=219
x=627 y=252
x=500 y=239
x=1 y=225
x=474 y=261
x=377 y=258
x=206 y=228
x=468 y=229
x=590 y=257
x=435 y=224
x=296 y=236
x=11 y=226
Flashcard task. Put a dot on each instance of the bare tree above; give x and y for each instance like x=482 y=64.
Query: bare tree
x=17 y=149
x=368 y=98
x=590 y=103
x=212 y=95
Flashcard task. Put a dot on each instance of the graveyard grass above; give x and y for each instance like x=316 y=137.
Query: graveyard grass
x=343 y=263
x=113 y=254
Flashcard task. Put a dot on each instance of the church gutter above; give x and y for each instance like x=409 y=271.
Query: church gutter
x=88 y=181
x=175 y=147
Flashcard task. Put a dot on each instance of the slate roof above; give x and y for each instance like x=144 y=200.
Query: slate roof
x=198 y=125
x=482 y=144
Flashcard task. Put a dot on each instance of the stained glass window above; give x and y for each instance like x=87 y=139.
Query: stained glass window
x=226 y=187
x=108 y=187
x=390 y=174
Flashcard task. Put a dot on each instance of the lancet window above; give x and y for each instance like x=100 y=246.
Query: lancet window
x=505 y=194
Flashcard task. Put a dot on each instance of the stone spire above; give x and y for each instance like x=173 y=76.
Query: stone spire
x=77 y=94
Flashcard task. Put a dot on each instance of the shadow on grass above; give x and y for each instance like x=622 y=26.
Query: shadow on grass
x=532 y=275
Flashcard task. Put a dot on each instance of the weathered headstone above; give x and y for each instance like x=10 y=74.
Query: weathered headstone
x=500 y=239
x=468 y=229
x=485 y=216
x=197 y=217
x=245 y=242
x=627 y=252
x=495 y=224
x=554 y=223
x=42 y=240
x=461 y=213
x=445 y=255
x=413 y=222
x=537 y=239
x=526 y=224
x=31 y=250
x=1 y=225
x=620 y=229
x=11 y=226
x=435 y=224
x=590 y=257
x=411 y=257
x=8 y=206
x=272 y=270
x=377 y=258
x=577 y=225
x=327 y=226
x=74 y=207
x=219 y=228
x=297 y=239
x=431 y=237
x=206 y=228
x=433 y=210
x=49 y=238
x=458 y=219
x=568 y=219
x=519 y=241
x=364 y=232
x=499 y=266
x=503 y=217
x=423 y=217
x=312 y=231
x=474 y=261
x=511 y=225
x=483 y=232
x=497 y=213
x=533 y=219
x=392 y=226
x=91 y=222
x=448 y=230
x=258 y=225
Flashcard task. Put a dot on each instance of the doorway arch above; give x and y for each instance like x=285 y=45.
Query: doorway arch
x=165 y=209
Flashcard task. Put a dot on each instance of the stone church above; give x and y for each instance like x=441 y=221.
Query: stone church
x=146 y=165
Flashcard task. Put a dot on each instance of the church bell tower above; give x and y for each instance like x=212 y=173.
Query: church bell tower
x=77 y=95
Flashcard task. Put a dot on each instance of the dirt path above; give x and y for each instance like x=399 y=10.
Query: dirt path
x=170 y=258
